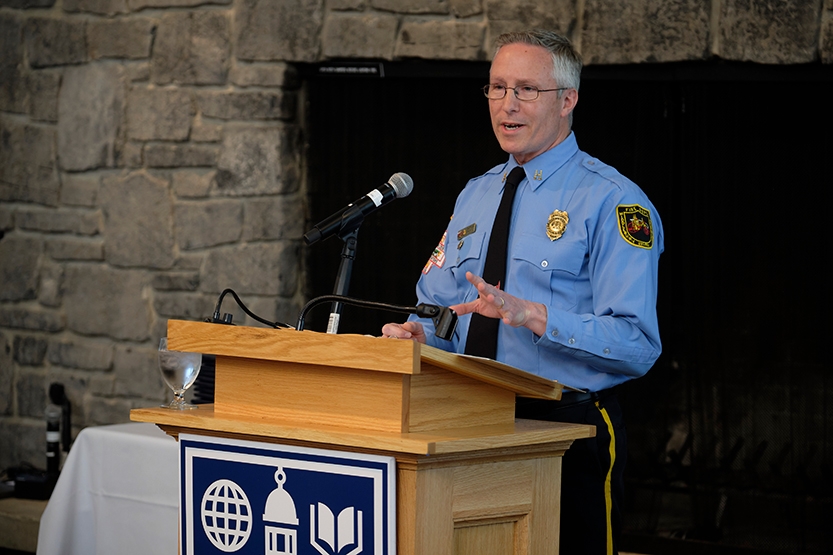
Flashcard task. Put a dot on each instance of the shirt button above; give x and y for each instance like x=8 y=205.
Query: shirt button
x=554 y=333
x=458 y=260
x=544 y=263
x=607 y=351
x=571 y=340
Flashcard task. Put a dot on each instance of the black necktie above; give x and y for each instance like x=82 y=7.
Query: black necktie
x=482 y=337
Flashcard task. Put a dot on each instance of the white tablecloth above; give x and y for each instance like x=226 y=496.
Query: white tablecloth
x=117 y=494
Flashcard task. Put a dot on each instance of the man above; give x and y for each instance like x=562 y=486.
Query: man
x=576 y=301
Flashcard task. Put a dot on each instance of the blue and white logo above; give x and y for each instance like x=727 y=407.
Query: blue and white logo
x=248 y=497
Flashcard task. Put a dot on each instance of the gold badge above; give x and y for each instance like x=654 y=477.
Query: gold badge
x=557 y=224
x=539 y=175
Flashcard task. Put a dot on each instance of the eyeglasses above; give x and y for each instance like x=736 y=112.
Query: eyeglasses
x=523 y=92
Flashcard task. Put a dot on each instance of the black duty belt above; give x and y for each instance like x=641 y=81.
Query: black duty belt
x=568 y=399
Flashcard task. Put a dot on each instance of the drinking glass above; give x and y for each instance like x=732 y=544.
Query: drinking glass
x=179 y=370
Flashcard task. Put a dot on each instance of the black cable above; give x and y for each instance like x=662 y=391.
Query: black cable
x=227 y=319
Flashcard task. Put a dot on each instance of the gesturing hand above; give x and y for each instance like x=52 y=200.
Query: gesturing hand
x=495 y=303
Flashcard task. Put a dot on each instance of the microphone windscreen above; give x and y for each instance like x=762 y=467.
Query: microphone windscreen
x=402 y=184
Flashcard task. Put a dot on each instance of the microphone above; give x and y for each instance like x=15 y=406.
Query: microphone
x=351 y=216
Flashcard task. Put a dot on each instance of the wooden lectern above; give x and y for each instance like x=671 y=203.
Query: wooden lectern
x=470 y=478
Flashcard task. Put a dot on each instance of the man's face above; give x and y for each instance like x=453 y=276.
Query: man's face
x=526 y=129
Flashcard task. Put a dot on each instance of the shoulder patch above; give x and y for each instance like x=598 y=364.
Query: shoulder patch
x=438 y=256
x=635 y=225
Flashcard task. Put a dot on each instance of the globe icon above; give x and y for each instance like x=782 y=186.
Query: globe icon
x=226 y=515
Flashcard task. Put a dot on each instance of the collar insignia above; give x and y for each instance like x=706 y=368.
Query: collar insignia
x=557 y=224
x=538 y=176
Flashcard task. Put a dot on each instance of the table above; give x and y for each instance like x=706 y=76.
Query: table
x=117 y=494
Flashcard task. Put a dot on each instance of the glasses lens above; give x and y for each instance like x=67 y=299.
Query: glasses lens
x=494 y=92
x=526 y=93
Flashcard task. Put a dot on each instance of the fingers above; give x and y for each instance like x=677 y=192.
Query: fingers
x=408 y=330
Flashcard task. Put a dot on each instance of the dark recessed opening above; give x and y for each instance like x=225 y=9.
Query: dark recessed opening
x=734 y=157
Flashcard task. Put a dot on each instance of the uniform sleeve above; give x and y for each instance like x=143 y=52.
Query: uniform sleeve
x=618 y=331
x=437 y=287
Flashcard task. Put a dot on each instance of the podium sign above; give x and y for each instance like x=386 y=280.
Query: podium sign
x=252 y=497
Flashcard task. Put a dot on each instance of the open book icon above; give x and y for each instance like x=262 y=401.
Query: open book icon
x=336 y=534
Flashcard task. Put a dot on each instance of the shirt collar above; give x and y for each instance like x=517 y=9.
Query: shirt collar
x=547 y=163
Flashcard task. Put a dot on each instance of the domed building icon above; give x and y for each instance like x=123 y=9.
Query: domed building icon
x=281 y=539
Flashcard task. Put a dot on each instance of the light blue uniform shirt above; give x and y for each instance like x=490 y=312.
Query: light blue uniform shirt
x=598 y=281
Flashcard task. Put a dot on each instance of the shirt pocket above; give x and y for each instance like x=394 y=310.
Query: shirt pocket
x=464 y=256
x=547 y=271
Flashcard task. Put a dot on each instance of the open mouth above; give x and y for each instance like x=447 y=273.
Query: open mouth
x=512 y=126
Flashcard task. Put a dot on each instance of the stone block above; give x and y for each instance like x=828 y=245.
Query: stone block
x=280 y=217
x=192 y=183
x=179 y=156
x=442 y=40
x=282 y=31
x=105 y=301
x=159 y=114
x=263 y=75
x=30 y=319
x=43 y=95
x=13 y=90
x=6 y=218
x=466 y=8
x=256 y=269
x=75 y=248
x=201 y=224
x=183 y=306
x=176 y=281
x=504 y=17
x=22 y=440
x=101 y=7
x=205 y=132
x=138 y=229
x=20 y=256
x=26 y=4
x=60 y=220
x=32 y=396
x=346 y=5
x=55 y=42
x=257 y=161
x=27 y=164
x=411 y=6
x=618 y=31
x=769 y=32
x=29 y=350
x=80 y=189
x=826 y=36
x=84 y=354
x=11 y=39
x=137 y=71
x=6 y=376
x=359 y=35
x=137 y=5
x=12 y=83
x=247 y=105
x=50 y=292
x=131 y=155
x=90 y=106
x=104 y=410
x=128 y=38
x=137 y=373
x=192 y=48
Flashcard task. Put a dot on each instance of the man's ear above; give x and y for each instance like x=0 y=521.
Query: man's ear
x=570 y=100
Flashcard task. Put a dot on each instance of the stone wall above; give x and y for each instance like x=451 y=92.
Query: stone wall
x=151 y=155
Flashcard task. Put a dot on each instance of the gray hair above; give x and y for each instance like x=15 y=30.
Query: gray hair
x=566 y=61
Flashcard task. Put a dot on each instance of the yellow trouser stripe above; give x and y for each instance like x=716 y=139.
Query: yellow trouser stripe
x=608 y=497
